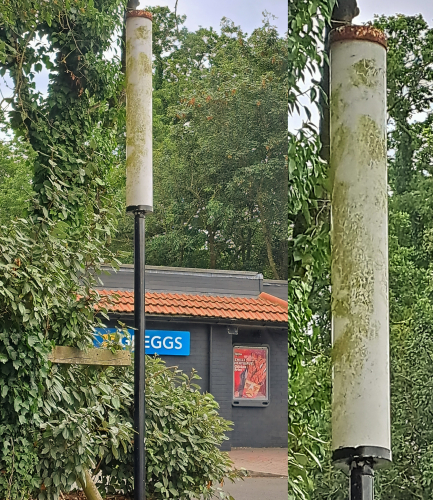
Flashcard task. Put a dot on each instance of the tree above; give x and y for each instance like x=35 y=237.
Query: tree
x=308 y=253
x=220 y=153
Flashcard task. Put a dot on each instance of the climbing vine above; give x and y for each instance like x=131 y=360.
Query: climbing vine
x=308 y=237
x=46 y=256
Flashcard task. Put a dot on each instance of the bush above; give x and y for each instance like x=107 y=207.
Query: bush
x=90 y=428
x=57 y=421
x=183 y=434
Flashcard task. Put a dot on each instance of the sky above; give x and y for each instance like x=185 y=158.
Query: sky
x=391 y=7
x=207 y=13
x=368 y=8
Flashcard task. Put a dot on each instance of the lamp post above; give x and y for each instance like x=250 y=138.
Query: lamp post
x=359 y=256
x=139 y=201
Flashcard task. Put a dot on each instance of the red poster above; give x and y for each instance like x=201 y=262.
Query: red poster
x=250 y=372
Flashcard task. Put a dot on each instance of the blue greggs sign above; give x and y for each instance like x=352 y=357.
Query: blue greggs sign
x=161 y=342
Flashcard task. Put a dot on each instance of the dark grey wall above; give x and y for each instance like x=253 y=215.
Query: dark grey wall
x=199 y=353
x=221 y=376
x=277 y=288
x=265 y=426
x=253 y=426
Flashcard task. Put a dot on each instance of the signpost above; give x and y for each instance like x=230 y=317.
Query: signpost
x=359 y=256
x=139 y=201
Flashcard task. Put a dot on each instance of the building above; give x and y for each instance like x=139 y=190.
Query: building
x=229 y=326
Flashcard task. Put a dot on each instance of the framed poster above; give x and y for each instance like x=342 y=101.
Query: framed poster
x=250 y=375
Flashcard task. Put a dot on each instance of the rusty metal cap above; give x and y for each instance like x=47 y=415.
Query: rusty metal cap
x=350 y=32
x=139 y=13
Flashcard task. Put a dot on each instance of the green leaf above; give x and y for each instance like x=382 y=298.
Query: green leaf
x=32 y=340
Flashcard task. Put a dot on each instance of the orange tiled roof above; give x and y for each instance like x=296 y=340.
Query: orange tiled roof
x=264 y=308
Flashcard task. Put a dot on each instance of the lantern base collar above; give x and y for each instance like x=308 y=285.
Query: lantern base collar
x=344 y=457
x=139 y=208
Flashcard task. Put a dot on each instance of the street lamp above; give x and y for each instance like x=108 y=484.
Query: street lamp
x=139 y=201
x=359 y=256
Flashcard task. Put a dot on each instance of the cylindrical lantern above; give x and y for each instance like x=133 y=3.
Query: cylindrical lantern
x=359 y=247
x=139 y=182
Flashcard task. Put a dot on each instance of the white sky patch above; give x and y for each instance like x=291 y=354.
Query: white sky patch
x=297 y=119
x=207 y=13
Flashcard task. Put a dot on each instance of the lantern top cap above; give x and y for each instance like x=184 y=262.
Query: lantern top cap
x=139 y=13
x=350 y=32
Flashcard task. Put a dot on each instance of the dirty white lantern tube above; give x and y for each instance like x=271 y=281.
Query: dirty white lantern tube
x=139 y=201
x=139 y=182
x=359 y=247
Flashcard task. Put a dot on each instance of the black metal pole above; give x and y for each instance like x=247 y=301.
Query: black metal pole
x=210 y=359
x=139 y=359
x=361 y=481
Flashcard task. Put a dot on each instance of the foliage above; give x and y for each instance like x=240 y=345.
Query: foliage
x=308 y=246
x=38 y=308
x=56 y=422
x=16 y=161
x=95 y=419
x=183 y=432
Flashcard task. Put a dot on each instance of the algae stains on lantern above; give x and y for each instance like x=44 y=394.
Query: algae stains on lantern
x=137 y=126
x=128 y=51
x=136 y=123
x=340 y=139
x=371 y=140
x=142 y=32
x=372 y=148
x=353 y=290
x=337 y=104
x=140 y=65
x=340 y=135
x=144 y=64
x=364 y=73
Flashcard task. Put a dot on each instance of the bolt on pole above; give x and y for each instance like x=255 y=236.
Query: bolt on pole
x=139 y=201
x=361 y=438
